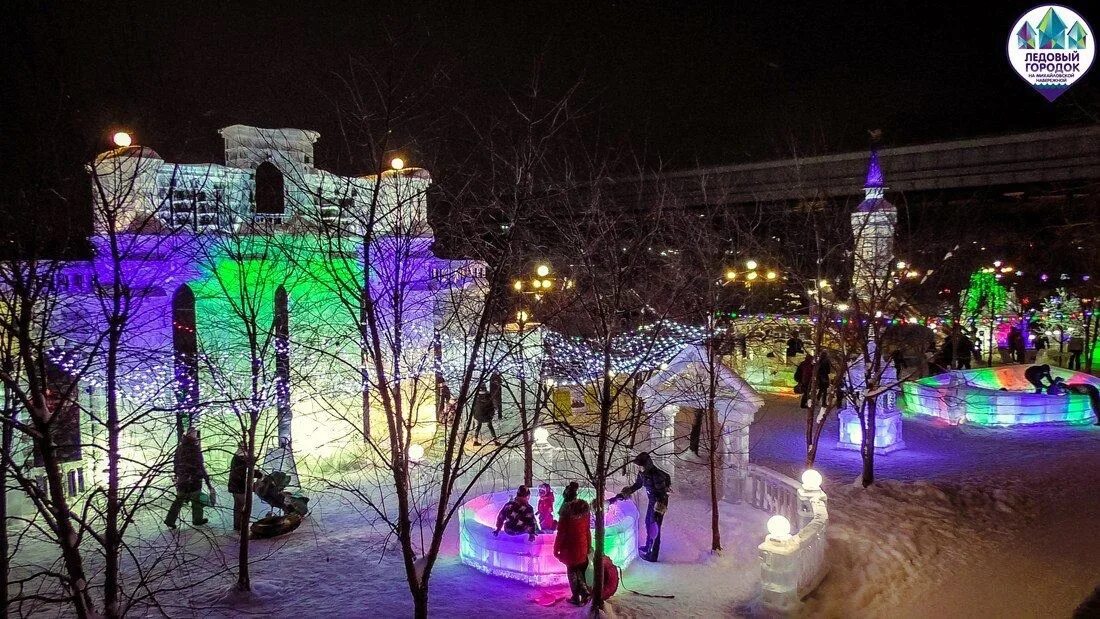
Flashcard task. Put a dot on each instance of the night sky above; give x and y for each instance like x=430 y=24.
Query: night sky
x=691 y=83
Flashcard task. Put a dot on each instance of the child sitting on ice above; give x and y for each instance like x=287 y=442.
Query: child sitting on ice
x=546 y=508
x=517 y=517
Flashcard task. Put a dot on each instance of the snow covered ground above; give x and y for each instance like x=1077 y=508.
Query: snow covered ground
x=967 y=522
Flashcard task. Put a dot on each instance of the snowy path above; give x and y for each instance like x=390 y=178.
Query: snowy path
x=964 y=523
x=967 y=522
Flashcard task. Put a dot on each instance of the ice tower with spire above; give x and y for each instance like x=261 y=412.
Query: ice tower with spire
x=873 y=224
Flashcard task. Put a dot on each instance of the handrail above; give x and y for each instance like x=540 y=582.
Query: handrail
x=791 y=567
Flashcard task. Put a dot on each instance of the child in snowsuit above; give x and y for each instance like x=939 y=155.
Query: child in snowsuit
x=546 y=508
x=573 y=541
x=657 y=484
x=517 y=517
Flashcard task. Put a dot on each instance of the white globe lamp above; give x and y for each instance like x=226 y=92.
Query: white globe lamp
x=779 y=528
x=811 y=480
x=542 y=436
x=122 y=139
x=416 y=452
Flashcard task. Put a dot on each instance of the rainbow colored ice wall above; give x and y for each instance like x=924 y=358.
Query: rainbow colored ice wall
x=533 y=562
x=998 y=396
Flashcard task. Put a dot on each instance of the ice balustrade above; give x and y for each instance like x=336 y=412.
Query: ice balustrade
x=791 y=565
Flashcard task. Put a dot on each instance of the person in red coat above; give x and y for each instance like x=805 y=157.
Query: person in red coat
x=546 y=508
x=573 y=542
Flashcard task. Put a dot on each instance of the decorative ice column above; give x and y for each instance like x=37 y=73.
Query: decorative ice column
x=873 y=225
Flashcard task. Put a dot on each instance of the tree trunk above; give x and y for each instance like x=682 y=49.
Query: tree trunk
x=715 y=531
x=528 y=448
x=712 y=447
x=66 y=535
x=420 y=603
x=867 y=444
x=111 y=537
x=8 y=441
x=601 y=483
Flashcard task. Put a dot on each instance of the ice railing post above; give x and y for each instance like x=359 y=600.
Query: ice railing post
x=791 y=565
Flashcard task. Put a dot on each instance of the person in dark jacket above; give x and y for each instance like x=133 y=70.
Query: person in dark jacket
x=964 y=352
x=794 y=346
x=574 y=541
x=804 y=379
x=1035 y=375
x=1016 y=344
x=517 y=516
x=483 y=414
x=190 y=473
x=824 y=368
x=496 y=394
x=238 y=485
x=657 y=484
x=1092 y=392
x=1076 y=348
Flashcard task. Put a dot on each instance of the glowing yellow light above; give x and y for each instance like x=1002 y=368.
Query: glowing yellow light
x=536 y=283
x=542 y=270
x=772 y=275
x=751 y=264
x=901 y=264
x=731 y=274
x=752 y=275
x=518 y=285
x=397 y=163
x=823 y=284
x=122 y=139
x=547 y=284
x=522 y=316
x=842 y=307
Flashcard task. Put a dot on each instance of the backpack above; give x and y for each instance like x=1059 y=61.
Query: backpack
x=610 y=578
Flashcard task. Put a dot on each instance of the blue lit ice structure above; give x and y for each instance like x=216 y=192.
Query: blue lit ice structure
x=976 y=397
x=887 y=431
x=512 y=556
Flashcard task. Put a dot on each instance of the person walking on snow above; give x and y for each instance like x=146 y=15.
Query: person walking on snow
x=574 y=541
x=496 y=394
x=190 y=473
x=483 y=414
x=657 y=484
x=238 y=486
x=804 y=379
x=1076 y=347
x=517 y=516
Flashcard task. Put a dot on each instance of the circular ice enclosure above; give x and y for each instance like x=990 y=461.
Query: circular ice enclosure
x=512 y=556
x=998 y=396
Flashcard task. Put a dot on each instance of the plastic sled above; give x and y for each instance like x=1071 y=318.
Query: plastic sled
x=274 y=526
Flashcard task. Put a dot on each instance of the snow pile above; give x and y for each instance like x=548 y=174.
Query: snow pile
x=896 y=537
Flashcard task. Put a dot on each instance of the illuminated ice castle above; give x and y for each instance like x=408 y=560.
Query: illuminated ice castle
x=259 y=261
